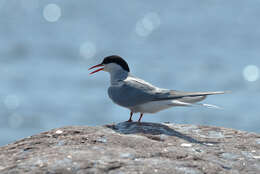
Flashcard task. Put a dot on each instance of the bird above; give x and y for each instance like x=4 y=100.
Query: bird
x=140 y=96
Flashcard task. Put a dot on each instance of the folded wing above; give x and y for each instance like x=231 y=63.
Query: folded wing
x=134 y=91
x=174 y=95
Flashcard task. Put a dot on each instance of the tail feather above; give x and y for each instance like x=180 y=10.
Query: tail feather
x=192 y=99
x=181 y=103
x=210 y=106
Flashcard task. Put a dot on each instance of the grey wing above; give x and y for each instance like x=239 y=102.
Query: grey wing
x=172 y=95
x=136 y=91
x=131 y=93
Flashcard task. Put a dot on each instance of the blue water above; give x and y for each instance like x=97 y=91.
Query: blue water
x=45 y=53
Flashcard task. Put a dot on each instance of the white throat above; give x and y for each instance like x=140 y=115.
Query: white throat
x=117 y=73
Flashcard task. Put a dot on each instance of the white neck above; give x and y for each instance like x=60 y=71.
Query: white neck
x=117 y=76
x=117 y=73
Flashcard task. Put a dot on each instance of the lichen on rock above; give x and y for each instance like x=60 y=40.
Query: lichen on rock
x=134 y=148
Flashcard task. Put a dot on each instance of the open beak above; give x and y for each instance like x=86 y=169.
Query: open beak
x=99 y=65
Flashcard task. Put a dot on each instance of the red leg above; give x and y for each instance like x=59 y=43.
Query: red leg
x=130 y=119
x=139 y=121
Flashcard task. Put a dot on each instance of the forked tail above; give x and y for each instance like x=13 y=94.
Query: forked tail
x=184 y=103
x=191 y=98
x=210 y=106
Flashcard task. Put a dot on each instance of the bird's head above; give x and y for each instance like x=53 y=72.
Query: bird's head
x=111 y=64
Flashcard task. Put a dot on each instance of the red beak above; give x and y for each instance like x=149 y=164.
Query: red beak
x=99 y=65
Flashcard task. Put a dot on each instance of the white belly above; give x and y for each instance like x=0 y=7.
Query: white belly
x=156 y=106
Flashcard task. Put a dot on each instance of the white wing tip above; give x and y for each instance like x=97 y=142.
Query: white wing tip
x=221 y=92
x=211 y=106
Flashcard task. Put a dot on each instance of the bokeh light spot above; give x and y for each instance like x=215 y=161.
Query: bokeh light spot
x=87 y=50
x=251 y=73
x=147 y=24
x=151 y=21
x=11 y=101
x=140 y=29
x=52 y=12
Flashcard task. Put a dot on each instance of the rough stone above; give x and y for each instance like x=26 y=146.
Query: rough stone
x=134 y=148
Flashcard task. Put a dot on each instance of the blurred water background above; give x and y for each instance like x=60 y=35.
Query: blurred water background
x=47 y=46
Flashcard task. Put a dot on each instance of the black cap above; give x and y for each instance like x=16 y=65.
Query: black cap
x=118 y=60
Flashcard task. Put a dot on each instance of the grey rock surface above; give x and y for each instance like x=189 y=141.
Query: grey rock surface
x=134 y=148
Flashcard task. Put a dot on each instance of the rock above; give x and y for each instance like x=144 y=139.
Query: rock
x=134 y=148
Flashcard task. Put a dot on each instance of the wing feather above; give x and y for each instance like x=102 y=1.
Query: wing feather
x=172 y=95
x=133 y=91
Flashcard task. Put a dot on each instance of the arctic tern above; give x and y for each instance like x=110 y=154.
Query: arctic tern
x=140 y=96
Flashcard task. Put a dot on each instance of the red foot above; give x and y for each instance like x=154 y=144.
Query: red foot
x=139 y=120
x=130 y=119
